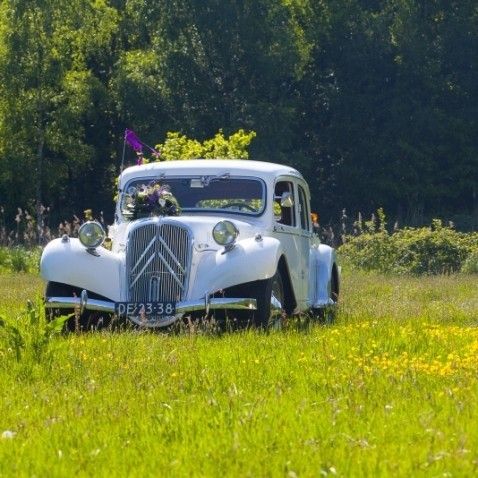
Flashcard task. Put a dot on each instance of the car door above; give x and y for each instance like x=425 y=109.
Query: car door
x=287 y=230
x=304 y=237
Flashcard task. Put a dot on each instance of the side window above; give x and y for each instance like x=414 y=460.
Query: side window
x=303 y=210
x=284 y=210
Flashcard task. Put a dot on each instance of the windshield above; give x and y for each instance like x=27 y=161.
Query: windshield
x=199 y=194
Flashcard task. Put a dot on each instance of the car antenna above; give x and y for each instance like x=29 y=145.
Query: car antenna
x=122 y=156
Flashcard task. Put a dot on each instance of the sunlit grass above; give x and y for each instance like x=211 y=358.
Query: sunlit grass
x=389 y=390
x=17 y=289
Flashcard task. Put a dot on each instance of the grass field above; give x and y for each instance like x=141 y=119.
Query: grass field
x=390 y=389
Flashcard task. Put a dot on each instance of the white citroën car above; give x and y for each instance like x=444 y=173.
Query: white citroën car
x=196 y=237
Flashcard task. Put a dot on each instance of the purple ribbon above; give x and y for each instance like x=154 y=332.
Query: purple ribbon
x=133 y=141
x=137 y=145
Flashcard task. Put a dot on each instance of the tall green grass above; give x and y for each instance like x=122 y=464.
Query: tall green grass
x=390 y=389
x=19 y=259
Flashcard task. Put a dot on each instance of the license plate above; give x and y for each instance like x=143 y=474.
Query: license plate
x=145 y=309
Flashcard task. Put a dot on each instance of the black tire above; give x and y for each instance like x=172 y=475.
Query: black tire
x=76 y=322
x=263 y=292
x=56 y=289
x=270 y=298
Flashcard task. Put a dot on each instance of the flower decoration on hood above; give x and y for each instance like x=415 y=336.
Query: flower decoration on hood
x=153 y=199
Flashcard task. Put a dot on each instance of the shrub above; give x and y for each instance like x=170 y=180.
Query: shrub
x=436 y=249
x=429 y=250
x=4 y=258
x=29 y=336
x=369 y=251
x=470 y=265
x=19 y=259
x=178 y=146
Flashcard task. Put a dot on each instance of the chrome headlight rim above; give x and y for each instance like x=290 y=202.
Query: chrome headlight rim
x=91 y=234
x=225 y=233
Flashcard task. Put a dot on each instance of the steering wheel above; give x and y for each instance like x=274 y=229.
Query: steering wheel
x=239 y=205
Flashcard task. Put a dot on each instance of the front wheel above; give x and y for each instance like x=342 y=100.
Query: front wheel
x=269 y=294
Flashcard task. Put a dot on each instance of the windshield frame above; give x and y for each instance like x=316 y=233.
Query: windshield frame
x=162 y=178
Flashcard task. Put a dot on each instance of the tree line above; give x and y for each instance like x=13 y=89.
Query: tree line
x=375 y=101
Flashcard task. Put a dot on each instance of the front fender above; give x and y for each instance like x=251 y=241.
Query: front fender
x=68 y=262
x=250 y=260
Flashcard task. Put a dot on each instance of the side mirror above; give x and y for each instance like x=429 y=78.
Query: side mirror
x=286 y=199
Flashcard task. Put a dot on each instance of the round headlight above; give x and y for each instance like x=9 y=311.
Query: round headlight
x=91 y=234
x=225 y=233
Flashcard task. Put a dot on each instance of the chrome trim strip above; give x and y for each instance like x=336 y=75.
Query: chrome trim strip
x=181 y=307
x=171 y=254
x=173 y=275
x=73 y=302
x=143 y=254
x=140 y=273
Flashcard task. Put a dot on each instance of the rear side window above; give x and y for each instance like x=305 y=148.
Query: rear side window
x=304 y=210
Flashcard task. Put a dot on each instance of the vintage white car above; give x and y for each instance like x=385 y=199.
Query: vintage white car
x=198 y=237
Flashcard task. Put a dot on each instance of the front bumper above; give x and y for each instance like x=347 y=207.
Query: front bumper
x=83 y=303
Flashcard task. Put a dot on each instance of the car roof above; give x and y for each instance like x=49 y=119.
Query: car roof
x=204 y=167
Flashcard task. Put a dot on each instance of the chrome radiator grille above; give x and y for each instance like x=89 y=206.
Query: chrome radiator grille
x=157 y=262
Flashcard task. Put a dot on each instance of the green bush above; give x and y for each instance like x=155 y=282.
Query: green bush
x=19 y=259
x=4 y=258
x=470 y=265
x=179 y=146
x=429 y=250
x=436 y=249
x=29 y=335
x=369 y=251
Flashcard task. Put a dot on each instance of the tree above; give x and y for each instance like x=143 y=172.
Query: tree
x=374 y=101
x=389 y=105
x=178 y=146
x=199 y=66
x=49 y=93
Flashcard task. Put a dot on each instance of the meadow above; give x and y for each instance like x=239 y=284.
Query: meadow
x=389 y=389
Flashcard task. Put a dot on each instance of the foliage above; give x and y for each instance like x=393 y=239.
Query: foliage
x=375 y=102
x=385 y=102
x=28 y=236
x=19 y=259
x=51 y=95
x=178 y=146
x=437 y=249
x=397 y=371
x=28 y=337
x=470 y=266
